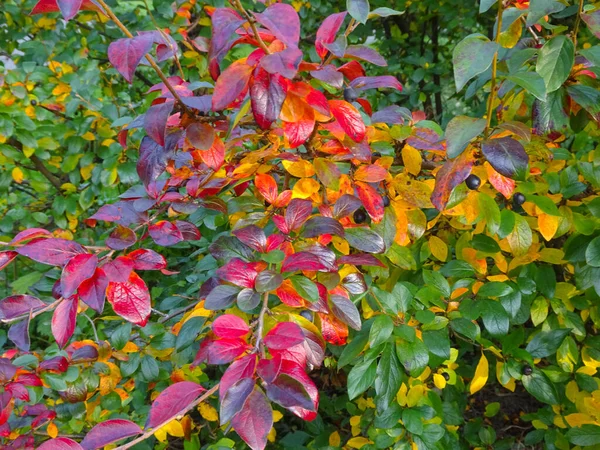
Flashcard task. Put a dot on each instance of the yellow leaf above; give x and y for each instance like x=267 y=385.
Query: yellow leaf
x=208 y=412
x=272 y=435
x=358 y=442
x=86 y=172
x=277 y=416
x=299 y=169
x=578 y=419
x=69 y=188
x=354 y=420
x=439 y=381
x=438 y=248
x=334 y=439
x=510 y=37
x=89 y=136
x=305 y=187
x=481 y=375
x=412 y=160
x=548 y=225
x=18 y=175
x=52 y=430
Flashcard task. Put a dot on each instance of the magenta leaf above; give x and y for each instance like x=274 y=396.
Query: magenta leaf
x=230 y=326
x=225 y=22
x=284 y=63
x=365 y=53
x=289 y=393
x=121 y=238
x=76 y=271
x=145 y=259
x=327 y=32
x=58 y=364
x=252 y=236
x=282 y=20
x=297 y=212
x=6 y=258
x=255 y=420
x=19 y=334
x=130 y=299
x=267 y=94
x=268 y=369
x=172 y=401
x=155 y=121
x=69 y=8
x=108 y=432
x=93 y=290
x=165 y=233
x=60 y=443
x=220 y=351
x=283 y=336
x=384 y=81
x=296 y=372
x=64 y=320
x=188 y=230
x=18 y=305
x=119 y=269
x=127 y=53
x=231 y=84
x=240 y=368
x=238 y=272
x=234 y=399
x=29 y=234
x=52 y=251
x=302 y=261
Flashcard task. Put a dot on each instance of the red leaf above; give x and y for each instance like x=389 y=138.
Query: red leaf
x=127 y=53
x=230 y=326
x=6 y=258
x=302 y=261
x=298 y=132
x=241 y=368
x=333 y=329
x=121 y=238
x=119 y=269
x=60 y=443
x=253 y=237
x=155 y=121
x=29 y=234
x=215 y=156
x=220 y=351
x=52 y=251
x=352 y=70
x=384 y=81
x=57 y=364
x=145 y=259
x=93 y=290
x=165 y=233
x=371 y=200
x=17 y=305
x=130 y=299
x=230 y=84
x=234 y=399
x=267 y=186
x=502 y=184
x=283 y=336
x=64 y=320
x=371 y=173
x=349 y=119
x=284 y=63
x=267 y=94
x=296 y=372
x=50 y=6
x=297 y=212
x=225 y=21
x=69 y=8
x=172 y=401
x=327 y=32
x=200 y=135
x=76 y=271
x=108 y=432
x=452 y=173
x=254 y=422
x=365 y=53
x=288 y=295
x=238 y=272
x=282 y=20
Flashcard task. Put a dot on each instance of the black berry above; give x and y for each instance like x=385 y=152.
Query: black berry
x=518 y=199
x=527 y=370
x=350 y=95
x=376 y=155
x=446 y=376
x=306 y=314
x=386 y=201
x=473 y=182
x=360 y=216
x=33 y=102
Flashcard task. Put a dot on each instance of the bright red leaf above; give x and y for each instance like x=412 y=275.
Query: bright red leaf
x=127 y=53
x=230 y=326
x=283 y=336
x=76 y=271
x=302 y=261
x=64 y=320
x=371 y=200
x=230 y=84
x=130 y=299
x=172 y=401
x=267 y=186
x=240 y=368
x=238 y=272
x=349 y=119
x=255 y=420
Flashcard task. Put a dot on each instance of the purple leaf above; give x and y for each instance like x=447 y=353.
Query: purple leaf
x=52 y=251
x=127 y=53
x=346 y=311
x=121 y=238
x=284 y=63
x=289 y=393
x=365 y=53
x=60 y=443
x=93 y=290
x=234 y=399
x=154 y=157
x=282 y=20
x=202 y=103
x=255 y=420
x=302 y=261
x=316 y=226
x=297 y=212
x=252 y=236
x=155 y=121
x=64 y=321
x=225 y=22
x=17 y=305
x=69 y=8
x=347 y=204
x=384 y=81
x=108 y=432
x=506 y=155
x=392 y=115
x=360 y=259
x=19 y=334
x=171 y=401
x=330 y=75
x=327 y=32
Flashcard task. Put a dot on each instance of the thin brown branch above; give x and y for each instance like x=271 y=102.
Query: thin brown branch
x=252 y=23
x=39 y=165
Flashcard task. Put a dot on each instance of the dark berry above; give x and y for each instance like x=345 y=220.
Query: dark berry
x=376 y=155
x=527 y=370
x=473 y=182
x=33 y=102
x=386 y=201
x=350 y=95
x=446 y=376
x=518 y=199
x=306 y=314
x=57 y=290
x=360 y=216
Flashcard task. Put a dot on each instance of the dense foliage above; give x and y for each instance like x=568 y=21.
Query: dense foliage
x=239 y=222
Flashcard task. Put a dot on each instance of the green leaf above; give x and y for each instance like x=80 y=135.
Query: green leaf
x=592 y=253
x=592 y=20
x=381 y=330
x=485 y=5
x=121 y=336
x=189 y=332
x=592 y=54
x=466 y=328
x=587 y=97
x=460 y=131
x=389 y=377
x=555 y=62
x=438 y=343
x=457 y=269
x=305 y=288
x=546 y=343
x=384 y=12
x=542 y=8
x=585 y=435
x=472 y=56
x=495 y=317
x=490 y=211
x=149 y=368
x=358 y=9
x=414 y=356
x=545 y=204
x=401 y=257
x=354 y=348
x=361 y=378
x=532 y=82
x=494 y=289
x=412 y=421
x=485 y=243
x=538 y=385
x=437 y=280
x=521 y=238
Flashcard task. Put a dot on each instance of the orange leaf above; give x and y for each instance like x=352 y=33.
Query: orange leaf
x=371 y=200
x=452 y=173
x=349 y=119
x=504 y=185
x=267 y=186
x=548 y=225
x=371 y=173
